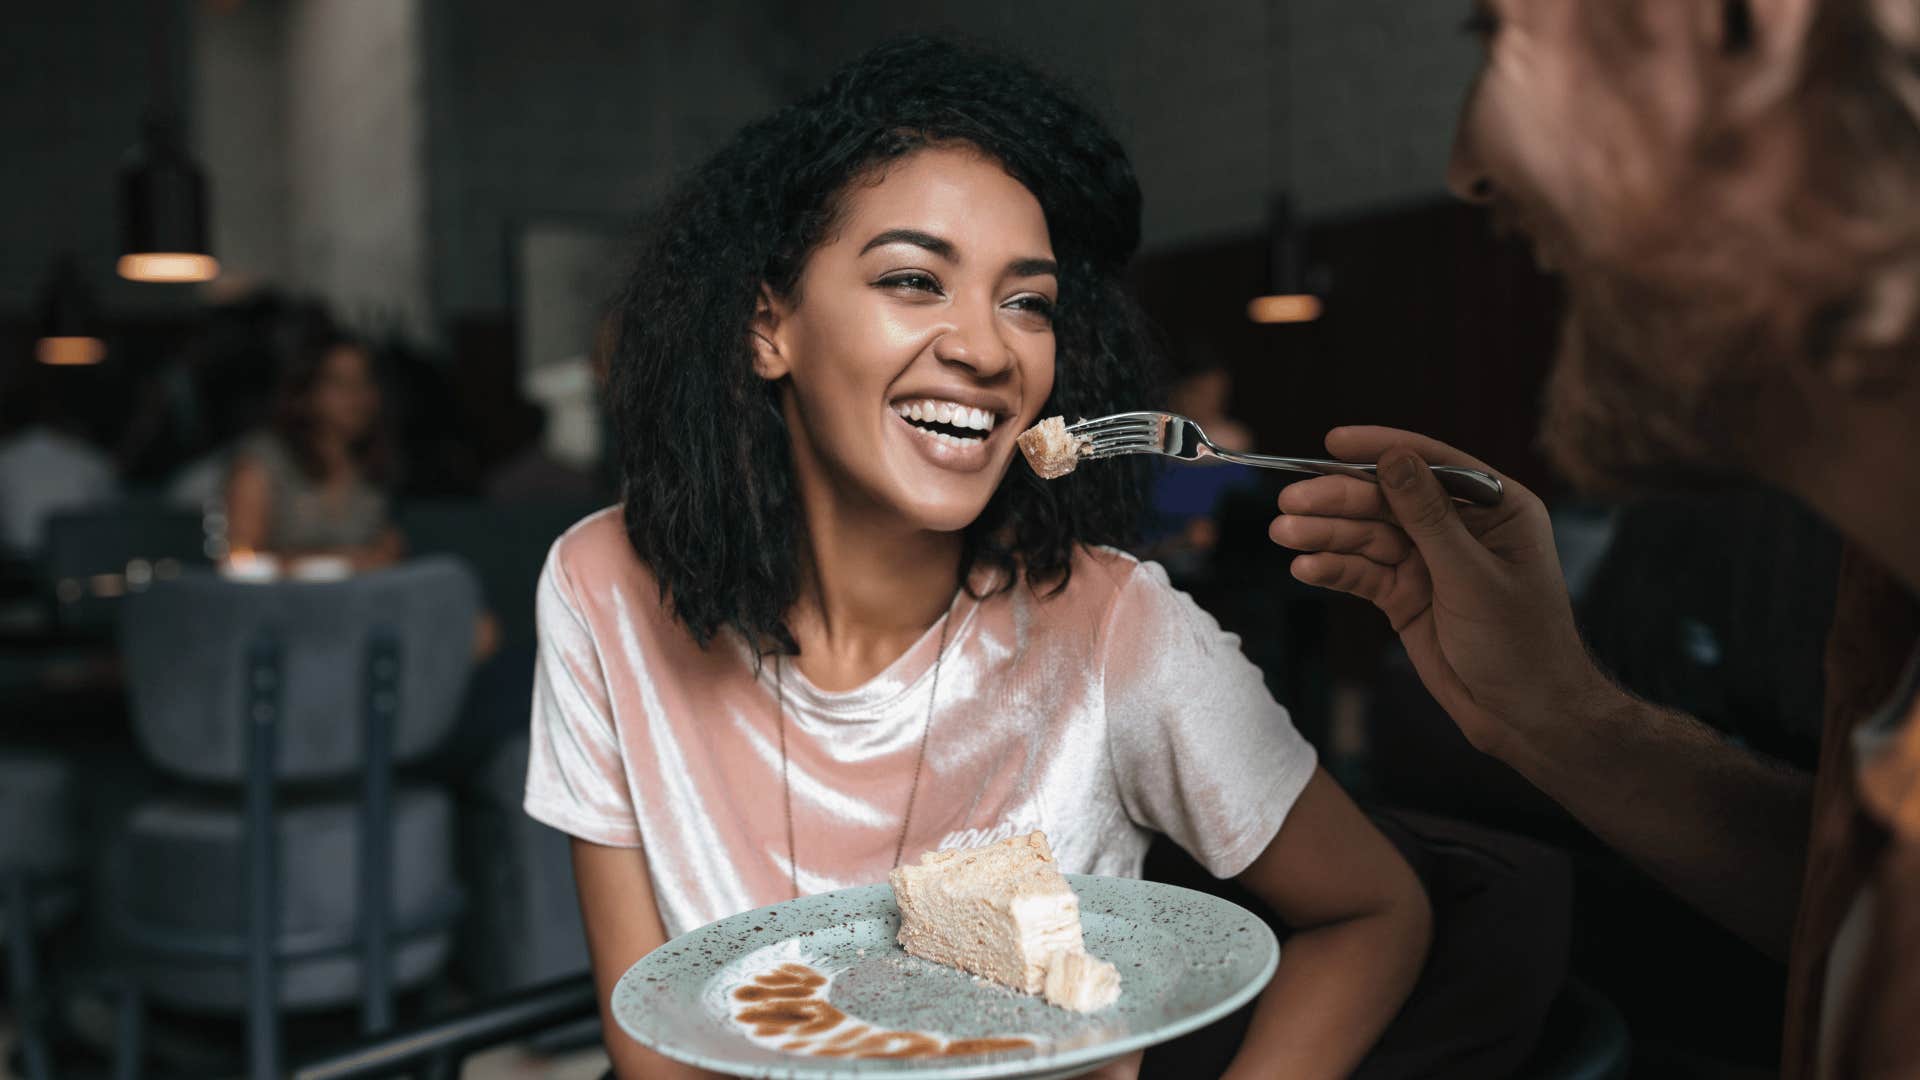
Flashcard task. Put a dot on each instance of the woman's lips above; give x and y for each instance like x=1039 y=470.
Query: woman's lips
x=945 y=451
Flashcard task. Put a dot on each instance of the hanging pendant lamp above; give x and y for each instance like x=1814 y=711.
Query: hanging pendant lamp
x=1289 y=297
x=163 y=210
x=69 y=332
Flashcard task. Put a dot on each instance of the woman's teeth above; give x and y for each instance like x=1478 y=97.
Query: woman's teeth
x=963 y=419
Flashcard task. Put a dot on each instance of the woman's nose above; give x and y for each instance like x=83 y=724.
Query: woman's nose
x=974 y=341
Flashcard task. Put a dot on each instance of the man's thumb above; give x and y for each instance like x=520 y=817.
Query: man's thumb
x=1423 y=508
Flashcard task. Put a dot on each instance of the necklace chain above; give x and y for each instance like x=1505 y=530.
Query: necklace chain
x=919 y=761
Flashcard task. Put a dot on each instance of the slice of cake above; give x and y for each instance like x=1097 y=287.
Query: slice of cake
x=1051 y=451
x=1005 y=913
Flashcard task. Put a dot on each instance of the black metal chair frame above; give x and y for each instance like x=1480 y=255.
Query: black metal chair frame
x=19 y=892
x=376 y=935
x=438 y=1048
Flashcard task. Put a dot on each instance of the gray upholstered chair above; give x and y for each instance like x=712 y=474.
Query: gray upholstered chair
x=38 y=854
x=284 y=708
x=524 y=928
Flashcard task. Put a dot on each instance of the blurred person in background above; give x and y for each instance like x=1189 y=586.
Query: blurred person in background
x=567 y=458
x=47 y=462
x=1184 y=525
x=210 y=393
x=563 y=462
x=1730 y=189
x=311 y=484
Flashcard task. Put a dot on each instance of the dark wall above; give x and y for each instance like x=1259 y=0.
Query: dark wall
x=1431 y=324
x=75 y=78
x=583 y=111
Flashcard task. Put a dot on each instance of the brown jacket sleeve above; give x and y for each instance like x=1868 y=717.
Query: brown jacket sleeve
x=1875 y=624
x=1883 y=1040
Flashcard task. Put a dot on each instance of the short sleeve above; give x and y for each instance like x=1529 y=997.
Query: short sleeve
x=1201 y=752
x=576 y=778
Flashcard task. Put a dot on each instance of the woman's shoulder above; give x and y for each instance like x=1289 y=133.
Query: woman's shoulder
x=1098 y=577
x=595 y=582
x=263 y=449
x=594 y=555
x=1109 y=571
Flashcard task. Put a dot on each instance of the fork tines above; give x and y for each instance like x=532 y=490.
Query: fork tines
x=1122 y=433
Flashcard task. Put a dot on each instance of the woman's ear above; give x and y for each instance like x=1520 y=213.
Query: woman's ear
x=769 y=358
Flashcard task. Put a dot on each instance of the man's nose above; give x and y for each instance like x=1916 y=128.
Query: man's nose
x=1466 y=177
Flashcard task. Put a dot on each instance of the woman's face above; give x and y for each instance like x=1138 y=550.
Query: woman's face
x=919 y=341
x=344 y=399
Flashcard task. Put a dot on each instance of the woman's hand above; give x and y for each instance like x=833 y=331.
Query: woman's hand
x=1475 y=593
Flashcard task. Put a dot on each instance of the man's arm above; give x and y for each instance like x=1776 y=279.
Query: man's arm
x=1722 y=827
x=1477 y=598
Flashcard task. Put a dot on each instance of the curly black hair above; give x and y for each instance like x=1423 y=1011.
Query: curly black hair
x=707 y=475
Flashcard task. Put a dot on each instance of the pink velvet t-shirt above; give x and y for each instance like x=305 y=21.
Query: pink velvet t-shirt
x=1102 y=714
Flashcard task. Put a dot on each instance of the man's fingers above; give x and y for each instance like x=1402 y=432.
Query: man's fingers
x=1334 y=496
x=1374 y=540
x=1364 y=443
x=1349 y=574
x=1426 y=512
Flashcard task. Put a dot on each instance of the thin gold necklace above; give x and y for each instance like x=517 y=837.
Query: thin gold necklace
x=913 y=790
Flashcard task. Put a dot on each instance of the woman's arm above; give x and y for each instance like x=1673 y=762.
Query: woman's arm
x=249 y=505
x=384 y=550
x=1362 y=925
x=623 y=925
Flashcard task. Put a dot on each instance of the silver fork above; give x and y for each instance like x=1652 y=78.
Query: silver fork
x=1175 y=436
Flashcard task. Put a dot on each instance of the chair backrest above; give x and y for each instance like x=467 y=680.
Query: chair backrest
x=187 y=642
x=506 y=544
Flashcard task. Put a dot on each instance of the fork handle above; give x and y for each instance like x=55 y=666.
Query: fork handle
x=1465 y=485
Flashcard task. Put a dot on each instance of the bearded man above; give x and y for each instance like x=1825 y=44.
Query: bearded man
x=1731 y=189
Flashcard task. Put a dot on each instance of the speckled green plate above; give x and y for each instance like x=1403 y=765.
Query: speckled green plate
x=1186 y=959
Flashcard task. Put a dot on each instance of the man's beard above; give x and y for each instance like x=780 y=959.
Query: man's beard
x=1655 y=386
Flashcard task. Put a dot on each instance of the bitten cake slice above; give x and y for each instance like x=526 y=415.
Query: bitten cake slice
x=1049 y=449
x=1005 y=913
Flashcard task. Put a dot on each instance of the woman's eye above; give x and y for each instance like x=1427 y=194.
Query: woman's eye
x=1033 y=304
x=913 y=282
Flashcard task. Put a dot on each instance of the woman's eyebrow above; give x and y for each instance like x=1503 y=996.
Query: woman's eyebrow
x=932 y=243
x=1034 y=268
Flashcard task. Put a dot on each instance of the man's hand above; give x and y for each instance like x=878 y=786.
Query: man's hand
x=1475 y=593
x=1477 y=598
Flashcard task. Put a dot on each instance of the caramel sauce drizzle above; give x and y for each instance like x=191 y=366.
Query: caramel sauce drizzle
x=784 y=1003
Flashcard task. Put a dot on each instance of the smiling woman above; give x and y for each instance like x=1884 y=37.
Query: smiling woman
x=835 y=624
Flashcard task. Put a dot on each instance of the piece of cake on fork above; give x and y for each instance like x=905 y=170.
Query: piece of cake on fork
x=1050 y=449
x=1003 y=912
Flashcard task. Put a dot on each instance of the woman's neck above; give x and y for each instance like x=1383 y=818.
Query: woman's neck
x=869 y=590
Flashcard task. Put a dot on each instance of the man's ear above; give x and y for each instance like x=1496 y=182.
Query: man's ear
x=769 y=314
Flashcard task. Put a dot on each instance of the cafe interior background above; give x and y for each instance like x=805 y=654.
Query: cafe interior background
x=453 y=181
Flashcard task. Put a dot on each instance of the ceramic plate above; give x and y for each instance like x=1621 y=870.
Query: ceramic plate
x=817 y=987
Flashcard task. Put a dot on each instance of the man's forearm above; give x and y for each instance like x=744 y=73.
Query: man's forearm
x=1718 y=824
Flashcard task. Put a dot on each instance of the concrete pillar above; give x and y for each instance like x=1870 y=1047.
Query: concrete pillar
x=356 y=159
x=310 y=119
